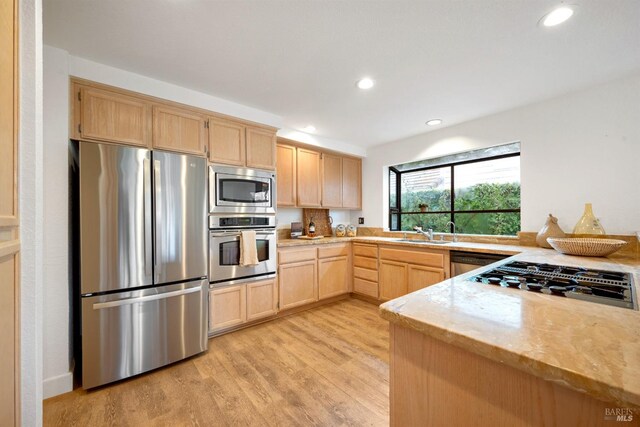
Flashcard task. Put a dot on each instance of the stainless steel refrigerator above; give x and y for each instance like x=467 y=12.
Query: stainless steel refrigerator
x=143 y=260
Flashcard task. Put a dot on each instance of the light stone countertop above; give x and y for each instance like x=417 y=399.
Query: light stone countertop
x=458 y=246
x=588 y=347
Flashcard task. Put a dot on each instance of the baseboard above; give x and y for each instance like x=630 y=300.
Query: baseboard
x=57 y=385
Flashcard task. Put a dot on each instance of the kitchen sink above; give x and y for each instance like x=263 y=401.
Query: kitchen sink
x=426 y=242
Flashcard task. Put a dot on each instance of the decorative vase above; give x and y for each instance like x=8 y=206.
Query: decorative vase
x=550 y=229
x=588 y=224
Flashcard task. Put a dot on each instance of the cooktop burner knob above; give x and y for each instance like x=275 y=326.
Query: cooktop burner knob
x=494 y=280
x=558 y=290
x=513 y=283
x=534 y=287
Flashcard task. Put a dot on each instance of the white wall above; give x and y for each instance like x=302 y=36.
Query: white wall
x=321 y=142
x=83 y=68
x=577 y=148
x=31 y=211
x=57 y=361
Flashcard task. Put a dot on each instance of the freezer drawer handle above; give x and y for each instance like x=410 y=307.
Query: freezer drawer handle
x=101 y=305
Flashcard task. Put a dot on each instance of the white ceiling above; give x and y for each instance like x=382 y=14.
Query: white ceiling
x=300 y=59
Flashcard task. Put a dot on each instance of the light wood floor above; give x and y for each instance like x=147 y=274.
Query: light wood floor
x=328 y=366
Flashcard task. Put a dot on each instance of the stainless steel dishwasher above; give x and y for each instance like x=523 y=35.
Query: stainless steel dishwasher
x=462 y=262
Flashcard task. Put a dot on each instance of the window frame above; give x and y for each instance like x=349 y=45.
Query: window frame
x=397 y=209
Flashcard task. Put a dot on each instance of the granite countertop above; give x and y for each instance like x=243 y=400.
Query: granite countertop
x=589 y=347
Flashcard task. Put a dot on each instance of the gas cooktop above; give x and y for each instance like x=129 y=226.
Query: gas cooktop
x=605 y=287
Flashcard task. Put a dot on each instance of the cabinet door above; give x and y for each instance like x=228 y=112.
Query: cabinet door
x=261 y=148
x=226 y=142
x=419 y=277
x=351 y=183
x=393 y=279
x=113 y=117
x=333 y=277
x=9 y=221
x=262 y=298
x=331 y=181
x=227 y=307
x=175 y=129
x=308 y=178
x=298 y=284
x=286 y=175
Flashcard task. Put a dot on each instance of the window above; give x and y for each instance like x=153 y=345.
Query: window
x=479 y=191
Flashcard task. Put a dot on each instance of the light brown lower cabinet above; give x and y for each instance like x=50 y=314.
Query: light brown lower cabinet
x=393 y=279
x=333 y=276
x=227 y=307
x=402 y=271
x=419 y=277
x=262 y=299
x=309 y=274
x=365 y=269
x=234 y=305
x=298 y=284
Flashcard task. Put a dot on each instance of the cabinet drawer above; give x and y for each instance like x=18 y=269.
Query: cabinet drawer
x=370 y=263
x=431 y=259
x=365 y=250
x=365 y=287
x=333 y=251
x=296 y=255
x=366 y=274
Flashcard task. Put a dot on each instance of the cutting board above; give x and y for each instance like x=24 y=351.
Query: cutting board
x=310 y=238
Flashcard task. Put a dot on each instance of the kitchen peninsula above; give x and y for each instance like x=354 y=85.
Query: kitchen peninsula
x=463 y=351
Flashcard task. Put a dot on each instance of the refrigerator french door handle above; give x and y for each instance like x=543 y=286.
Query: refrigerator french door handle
x=158 y=192
x=129 y=301
x=148 y=245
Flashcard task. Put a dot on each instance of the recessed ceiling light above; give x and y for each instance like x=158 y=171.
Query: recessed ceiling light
x=309 y=129
x=434 y=122
x=557 y=16
x=365 y=83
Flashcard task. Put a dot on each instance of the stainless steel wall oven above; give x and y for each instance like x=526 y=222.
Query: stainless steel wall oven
x=224 y=248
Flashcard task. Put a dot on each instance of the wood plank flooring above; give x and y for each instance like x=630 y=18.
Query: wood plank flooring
x=328 y=366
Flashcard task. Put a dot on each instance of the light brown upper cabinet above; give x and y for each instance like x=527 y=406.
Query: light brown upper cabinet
x=341 y=182
x=103 y=115
x=261 y=148
x=177 y=129
x=226 y=142
x=351 y=183
x=234 y=143
x=286 y=173
x=308 y=178
x=331 y=181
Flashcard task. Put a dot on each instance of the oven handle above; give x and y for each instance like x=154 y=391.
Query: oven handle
x=237 y=233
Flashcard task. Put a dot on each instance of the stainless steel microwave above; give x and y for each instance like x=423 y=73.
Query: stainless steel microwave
x=241 y=190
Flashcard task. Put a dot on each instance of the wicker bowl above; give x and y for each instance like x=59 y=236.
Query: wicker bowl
x=585 y=246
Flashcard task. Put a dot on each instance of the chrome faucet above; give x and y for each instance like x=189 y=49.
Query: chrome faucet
x=428 y=234
x=455 y=238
